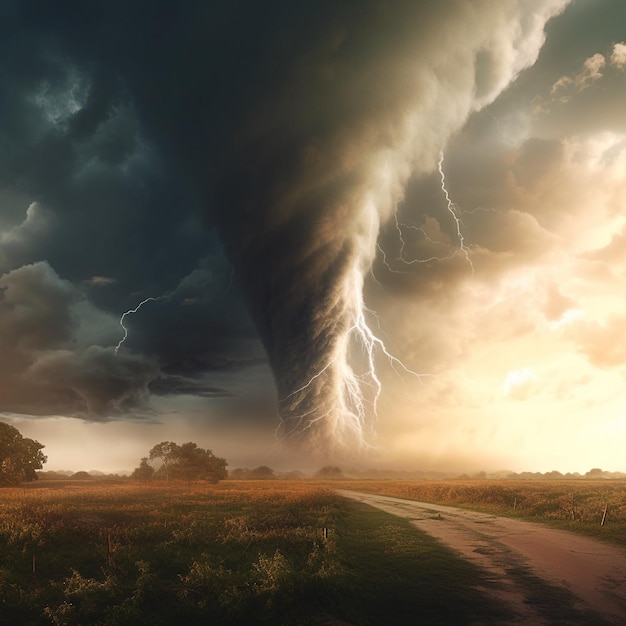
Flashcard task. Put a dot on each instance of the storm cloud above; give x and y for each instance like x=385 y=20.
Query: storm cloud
x=291 y=130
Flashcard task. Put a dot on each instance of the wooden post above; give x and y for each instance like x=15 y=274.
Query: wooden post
x=606 y=506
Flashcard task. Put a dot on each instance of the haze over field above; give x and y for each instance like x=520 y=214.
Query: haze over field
x=270 y=191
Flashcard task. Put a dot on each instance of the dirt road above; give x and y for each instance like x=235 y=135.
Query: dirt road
x=544 y=576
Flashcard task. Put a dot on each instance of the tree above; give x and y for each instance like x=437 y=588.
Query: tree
x=145 y=471
x=82 y=475
x=20 y=457
x=263 y=472
x=166 y=453
x=188 y=462
x=594 y=473
x=194 y=463
x=239 y=473
x=329 y=471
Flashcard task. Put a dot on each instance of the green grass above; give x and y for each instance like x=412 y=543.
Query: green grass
x=236 y=553
x=403 y=576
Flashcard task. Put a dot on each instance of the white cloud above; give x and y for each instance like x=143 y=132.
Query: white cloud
x=518 y=383
x=590 y=72
x=569 y=316
x=618 y=56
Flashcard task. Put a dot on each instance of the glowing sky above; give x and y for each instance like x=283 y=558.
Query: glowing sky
x=129 y=163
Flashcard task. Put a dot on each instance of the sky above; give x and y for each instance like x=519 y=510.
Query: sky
x=385 y=234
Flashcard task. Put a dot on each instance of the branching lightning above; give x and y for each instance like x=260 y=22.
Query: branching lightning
x=402 y=257
x=347 y=418
x=426 y=236
x=452 y=209
x=402 y=227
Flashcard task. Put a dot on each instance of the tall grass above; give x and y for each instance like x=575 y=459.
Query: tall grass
x=117 y=554
x=578 y=505
x=269 y=552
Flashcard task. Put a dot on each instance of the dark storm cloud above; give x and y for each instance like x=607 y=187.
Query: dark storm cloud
x=92 y=383
x=36 y=308
x=180 y=385
x=85 y=195
x=47 y=364
x=57 y=355
x=291 y=128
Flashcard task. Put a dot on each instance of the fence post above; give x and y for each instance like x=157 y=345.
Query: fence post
x=606 y=506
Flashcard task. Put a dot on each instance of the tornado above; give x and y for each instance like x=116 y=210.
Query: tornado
x=353 y=99
x=298 y=125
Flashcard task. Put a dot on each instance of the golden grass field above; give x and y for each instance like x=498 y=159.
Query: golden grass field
x=578 y=505
x=257 y=552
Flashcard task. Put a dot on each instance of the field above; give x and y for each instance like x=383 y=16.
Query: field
x=596 y=508
x=260 y=552
x=256 y=552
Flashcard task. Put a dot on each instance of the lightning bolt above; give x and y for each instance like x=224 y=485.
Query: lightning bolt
x=347 y=419
x=401 y=227
x=166 y=296
x=403 y=243
x=195 y=283
x=452 y=209
x=428 y=238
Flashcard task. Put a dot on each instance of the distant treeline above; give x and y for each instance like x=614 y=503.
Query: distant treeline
x=265 y=472
x=82 y=475
x=593 y=474
x=375 y=474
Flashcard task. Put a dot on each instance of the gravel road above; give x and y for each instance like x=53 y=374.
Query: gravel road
x=543 y=576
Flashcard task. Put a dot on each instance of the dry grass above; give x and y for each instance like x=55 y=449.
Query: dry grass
x=259 y=552
x=577 y=505
x=255 y=552
x=111 y=554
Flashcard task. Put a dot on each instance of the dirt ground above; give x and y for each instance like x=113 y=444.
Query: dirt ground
x=543 y=576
